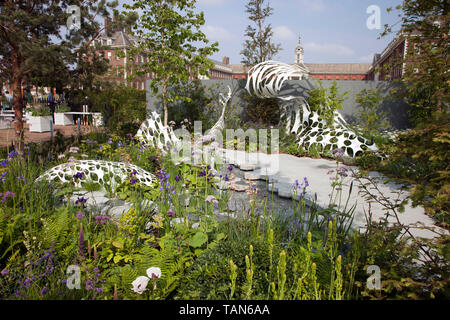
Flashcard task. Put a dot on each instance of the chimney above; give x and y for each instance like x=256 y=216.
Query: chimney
x=226 y=60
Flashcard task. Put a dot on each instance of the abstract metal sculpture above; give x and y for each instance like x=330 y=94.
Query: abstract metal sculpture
x=98 y=171
x=266 y=80
x=152 y=132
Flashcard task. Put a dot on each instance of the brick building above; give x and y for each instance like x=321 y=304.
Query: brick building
x=338 y=71
x=388 y=64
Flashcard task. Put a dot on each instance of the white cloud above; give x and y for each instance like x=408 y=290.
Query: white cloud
x=283 y=33
x=211 y=2
x=214 y=33
x=367 y=59
x=329 y=48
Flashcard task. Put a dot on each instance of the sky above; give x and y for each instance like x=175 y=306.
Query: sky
x=332 y=31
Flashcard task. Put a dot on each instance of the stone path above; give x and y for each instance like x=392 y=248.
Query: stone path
x=282 y=171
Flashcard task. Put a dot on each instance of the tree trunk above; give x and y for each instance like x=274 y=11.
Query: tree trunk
x=164 y=101
x=18 y=116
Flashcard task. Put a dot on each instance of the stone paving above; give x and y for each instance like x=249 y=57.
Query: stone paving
x=282 y=171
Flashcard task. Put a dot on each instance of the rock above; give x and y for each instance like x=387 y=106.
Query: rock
x=247 y=166
x=239 y=187
x=224 y=216
x=117 y=212
x=252 y=176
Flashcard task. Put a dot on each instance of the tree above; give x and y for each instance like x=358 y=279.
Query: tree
x=35 y=49
x=170 y=37
x=259 y=47
x=426 y=87
x=326 y=102
x=26 y=28
x=369 y=113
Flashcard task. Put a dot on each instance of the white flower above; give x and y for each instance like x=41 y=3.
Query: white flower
x=61 y=156
x=154 y=272
x=84 y=156
x=195 y=225
x=140 y=284
x=210 y=198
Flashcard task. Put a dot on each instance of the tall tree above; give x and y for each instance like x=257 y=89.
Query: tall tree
x=425 y=24
x=259 y=47
x=26 y=28
x=170 y=37
x=36 y=46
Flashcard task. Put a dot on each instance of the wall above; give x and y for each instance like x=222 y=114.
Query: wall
x=396 y=109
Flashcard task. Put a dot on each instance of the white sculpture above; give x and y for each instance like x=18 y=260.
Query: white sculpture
x=98 y=171
x=266 y=80
x=152 y=132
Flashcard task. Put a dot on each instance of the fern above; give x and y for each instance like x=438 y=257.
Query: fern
x=171 y=263
x=56 y=231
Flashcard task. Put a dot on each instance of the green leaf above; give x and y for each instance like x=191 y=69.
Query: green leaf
x=117 y=258
x=198 y=239
x=117 y=244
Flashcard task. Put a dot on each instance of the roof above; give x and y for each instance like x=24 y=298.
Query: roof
x=239 y=68
x=349 y=68
x=119 y=39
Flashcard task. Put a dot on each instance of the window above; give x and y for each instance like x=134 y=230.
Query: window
x=109 y=54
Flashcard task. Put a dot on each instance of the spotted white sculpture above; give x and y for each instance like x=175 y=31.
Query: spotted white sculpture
x=152 y=132
x=266 y=81
x=98 y=171
x=216 y=130
x=266 y=78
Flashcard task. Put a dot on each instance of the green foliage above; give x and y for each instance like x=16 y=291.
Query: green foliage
x=263 y=111
x=41 y=112
x=369 y=114
x=189 y=100
x=169 y=30
x=123 y=107
x=326 y=102
x=259 y=47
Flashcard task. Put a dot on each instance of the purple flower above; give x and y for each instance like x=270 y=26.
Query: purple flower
x=170 y=213
x=177 y=178
x=80 y=200
x=78 y=175
x=80 y=215
x=6 y=195
x=338 y=153
x=99 y=290
x=133 y=173
x=230 y=168
x=306 y=182
x=43 y=291
x=89 y=285
x=4 y=272
x=133 y=181
x=226 y=178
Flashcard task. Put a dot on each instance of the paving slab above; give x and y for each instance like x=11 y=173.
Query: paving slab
x=283 y=170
